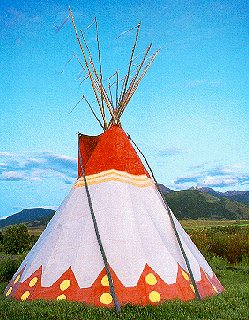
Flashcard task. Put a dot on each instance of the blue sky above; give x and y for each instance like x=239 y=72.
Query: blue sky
x=190 y=115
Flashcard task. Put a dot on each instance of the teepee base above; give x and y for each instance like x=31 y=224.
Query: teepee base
x=150 y=288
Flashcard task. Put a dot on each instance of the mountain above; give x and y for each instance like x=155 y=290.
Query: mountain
x=32 y=217
x=164 y=189
x=210 y=191
x=239 y=196
x=195 y=204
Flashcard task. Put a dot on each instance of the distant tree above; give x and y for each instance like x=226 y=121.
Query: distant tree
x=1 y=242
x=33 y=240
x=16 y=239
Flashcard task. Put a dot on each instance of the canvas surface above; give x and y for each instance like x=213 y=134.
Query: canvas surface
x=141 y=247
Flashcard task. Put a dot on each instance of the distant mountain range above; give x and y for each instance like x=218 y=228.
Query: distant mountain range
x=194 y=203
x=239 y=196
x=31 y=217
x=164 y=189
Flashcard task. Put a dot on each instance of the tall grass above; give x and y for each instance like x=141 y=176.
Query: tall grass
x=229 y=242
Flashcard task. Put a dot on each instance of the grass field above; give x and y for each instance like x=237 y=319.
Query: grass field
x=187 y=224
x=232 y=304
x=200 y=223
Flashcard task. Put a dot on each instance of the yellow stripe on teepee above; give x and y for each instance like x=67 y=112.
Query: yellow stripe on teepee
x=141 y=181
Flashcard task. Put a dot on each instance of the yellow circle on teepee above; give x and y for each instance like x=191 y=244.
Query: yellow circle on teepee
x=8 y=292
x=17 y=279
x=215 y=289
x=185 y=275
x=150 y=279
x=104 y=281
x=61 y=297
x=33 y=281
x=192 y=288
x=105 y=298
x=25 y=295
x=64 y=285
x=154 y=296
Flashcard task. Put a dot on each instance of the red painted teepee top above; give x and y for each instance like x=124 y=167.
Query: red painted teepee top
x=109 y=150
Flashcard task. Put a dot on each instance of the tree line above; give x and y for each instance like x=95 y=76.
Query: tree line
x=16 y=239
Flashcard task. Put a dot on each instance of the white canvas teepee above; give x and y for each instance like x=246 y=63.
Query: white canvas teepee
x=113 y=240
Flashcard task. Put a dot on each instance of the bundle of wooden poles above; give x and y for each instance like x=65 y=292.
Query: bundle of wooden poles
x=102 y=94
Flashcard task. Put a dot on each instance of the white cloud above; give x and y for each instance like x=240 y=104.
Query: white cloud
x=13 y=175
x=218 y=181
x=219 y=176
x=37 y=166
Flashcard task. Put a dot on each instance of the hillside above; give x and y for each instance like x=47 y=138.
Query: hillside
x=164 y=189
x=204 y=203
x=239 y=196
x=194 y=204
x=31 y=217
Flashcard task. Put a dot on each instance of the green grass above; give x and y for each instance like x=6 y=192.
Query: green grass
x=202 y=223
x=186 y=223
x=231 y=304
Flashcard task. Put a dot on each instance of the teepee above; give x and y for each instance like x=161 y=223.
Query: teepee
x=113 y=240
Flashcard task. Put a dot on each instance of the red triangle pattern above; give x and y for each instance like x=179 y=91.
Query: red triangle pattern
x=144 y=293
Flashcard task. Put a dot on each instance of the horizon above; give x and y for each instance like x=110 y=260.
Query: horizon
x=190 y=115
x=56 y=208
